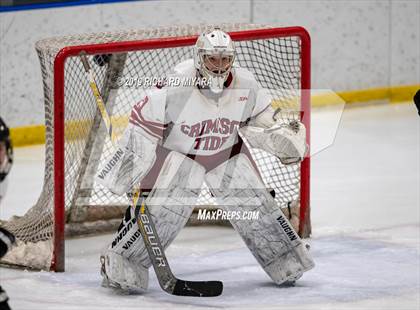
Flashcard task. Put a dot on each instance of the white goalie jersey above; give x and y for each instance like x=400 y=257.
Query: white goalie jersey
x=196 y=122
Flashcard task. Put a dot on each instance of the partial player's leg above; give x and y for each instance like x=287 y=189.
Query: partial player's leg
x=171 y=201
x=271 y=239
x=7 y=239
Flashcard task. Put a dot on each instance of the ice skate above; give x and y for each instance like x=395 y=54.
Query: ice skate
x=118 y=272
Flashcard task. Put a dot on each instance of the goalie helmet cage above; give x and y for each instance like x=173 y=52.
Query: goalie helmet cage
x=76 y=139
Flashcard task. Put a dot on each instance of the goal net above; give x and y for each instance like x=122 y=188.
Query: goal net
x=77 y=142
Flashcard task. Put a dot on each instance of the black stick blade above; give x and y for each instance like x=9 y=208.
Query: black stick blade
x=198 y=289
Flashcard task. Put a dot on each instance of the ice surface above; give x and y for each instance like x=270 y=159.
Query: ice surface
x=25 y=181
x=365 y=212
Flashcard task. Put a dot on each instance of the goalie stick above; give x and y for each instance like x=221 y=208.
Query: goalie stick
x=168 y=282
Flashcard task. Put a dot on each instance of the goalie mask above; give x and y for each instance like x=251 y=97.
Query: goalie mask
x=214 y=55
x=6 y=151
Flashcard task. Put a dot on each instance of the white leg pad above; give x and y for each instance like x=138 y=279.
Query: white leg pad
x=271 y=239
x=172 y=199
x=170 y=204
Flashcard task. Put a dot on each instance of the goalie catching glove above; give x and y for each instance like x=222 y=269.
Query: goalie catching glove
x=285 y=141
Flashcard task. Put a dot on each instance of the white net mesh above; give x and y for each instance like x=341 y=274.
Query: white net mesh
x=275 y=62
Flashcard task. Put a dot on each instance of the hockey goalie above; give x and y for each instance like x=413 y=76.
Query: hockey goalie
x=180 y=137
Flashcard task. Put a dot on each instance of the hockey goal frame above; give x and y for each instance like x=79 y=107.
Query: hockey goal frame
x=58 y=255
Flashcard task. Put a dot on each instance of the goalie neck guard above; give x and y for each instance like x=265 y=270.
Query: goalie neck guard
x=214 y=54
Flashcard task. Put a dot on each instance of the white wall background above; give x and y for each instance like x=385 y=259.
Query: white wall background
x=355 y=44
